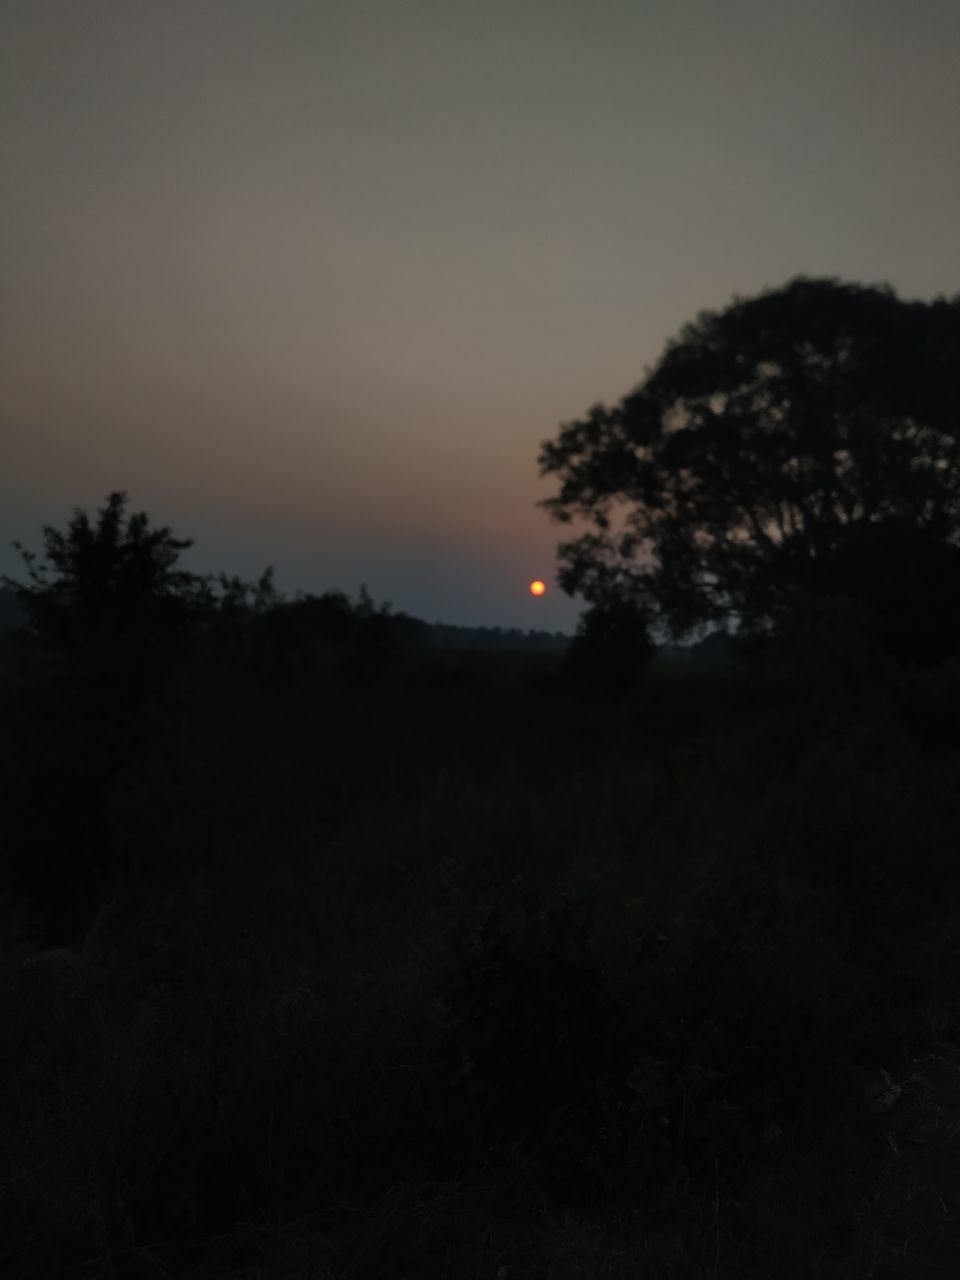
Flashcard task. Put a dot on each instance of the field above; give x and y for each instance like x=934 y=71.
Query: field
x=457 y=971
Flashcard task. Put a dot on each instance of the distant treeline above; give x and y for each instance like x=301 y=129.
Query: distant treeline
x=416 y=634
x=439 y=635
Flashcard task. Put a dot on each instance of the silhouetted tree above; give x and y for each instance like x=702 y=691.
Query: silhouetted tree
x=235 y=611
x=612 y=644
x=373 y=640
x=242 y=600
x=108 y=596
x=109 y=611
x=742 y=473
x=288 y=636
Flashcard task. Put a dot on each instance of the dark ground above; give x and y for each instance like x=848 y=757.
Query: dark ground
x=455 y=972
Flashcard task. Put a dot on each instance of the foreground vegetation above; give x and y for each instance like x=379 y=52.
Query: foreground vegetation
x=328 y=953
x=448 y=968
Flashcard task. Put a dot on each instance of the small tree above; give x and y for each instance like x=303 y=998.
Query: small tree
x=612 y=645
x=107 y=594
x=107 y=602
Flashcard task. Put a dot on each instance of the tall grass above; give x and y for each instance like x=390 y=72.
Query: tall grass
x=463 y=974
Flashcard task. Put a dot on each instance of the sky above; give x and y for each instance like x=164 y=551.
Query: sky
x=313 y=280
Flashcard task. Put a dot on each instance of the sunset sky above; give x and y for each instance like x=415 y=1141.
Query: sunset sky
x=313 y=280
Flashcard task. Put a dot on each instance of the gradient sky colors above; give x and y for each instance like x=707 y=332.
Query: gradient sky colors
x=314 y=280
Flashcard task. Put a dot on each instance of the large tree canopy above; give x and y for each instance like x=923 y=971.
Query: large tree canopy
x=747 y=465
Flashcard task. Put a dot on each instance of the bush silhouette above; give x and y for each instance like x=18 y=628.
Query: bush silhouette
x=612 y=646
x=109 y=614
x=108 y=598
x=533 y=1037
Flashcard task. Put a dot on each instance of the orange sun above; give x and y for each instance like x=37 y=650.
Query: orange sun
x=537 y=588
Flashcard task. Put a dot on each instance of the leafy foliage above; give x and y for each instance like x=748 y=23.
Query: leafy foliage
x=307 y=972
x=107 y=593
x=331 y=1028
x=291 y=637
x=762 y=450
x=531 y=1025
x=612 y=645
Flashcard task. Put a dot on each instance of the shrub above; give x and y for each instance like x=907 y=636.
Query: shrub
x=612 y=646
x=108 y=596
x=533 y=1035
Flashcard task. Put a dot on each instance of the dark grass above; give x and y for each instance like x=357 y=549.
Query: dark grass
x=450 y=970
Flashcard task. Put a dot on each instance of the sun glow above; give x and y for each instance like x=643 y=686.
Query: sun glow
x=538 y=588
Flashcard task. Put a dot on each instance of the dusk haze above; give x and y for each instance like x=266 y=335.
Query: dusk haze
x=313 y=281
x=480 y=639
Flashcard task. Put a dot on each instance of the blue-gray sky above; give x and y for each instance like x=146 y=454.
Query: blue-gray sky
x=312 y=281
